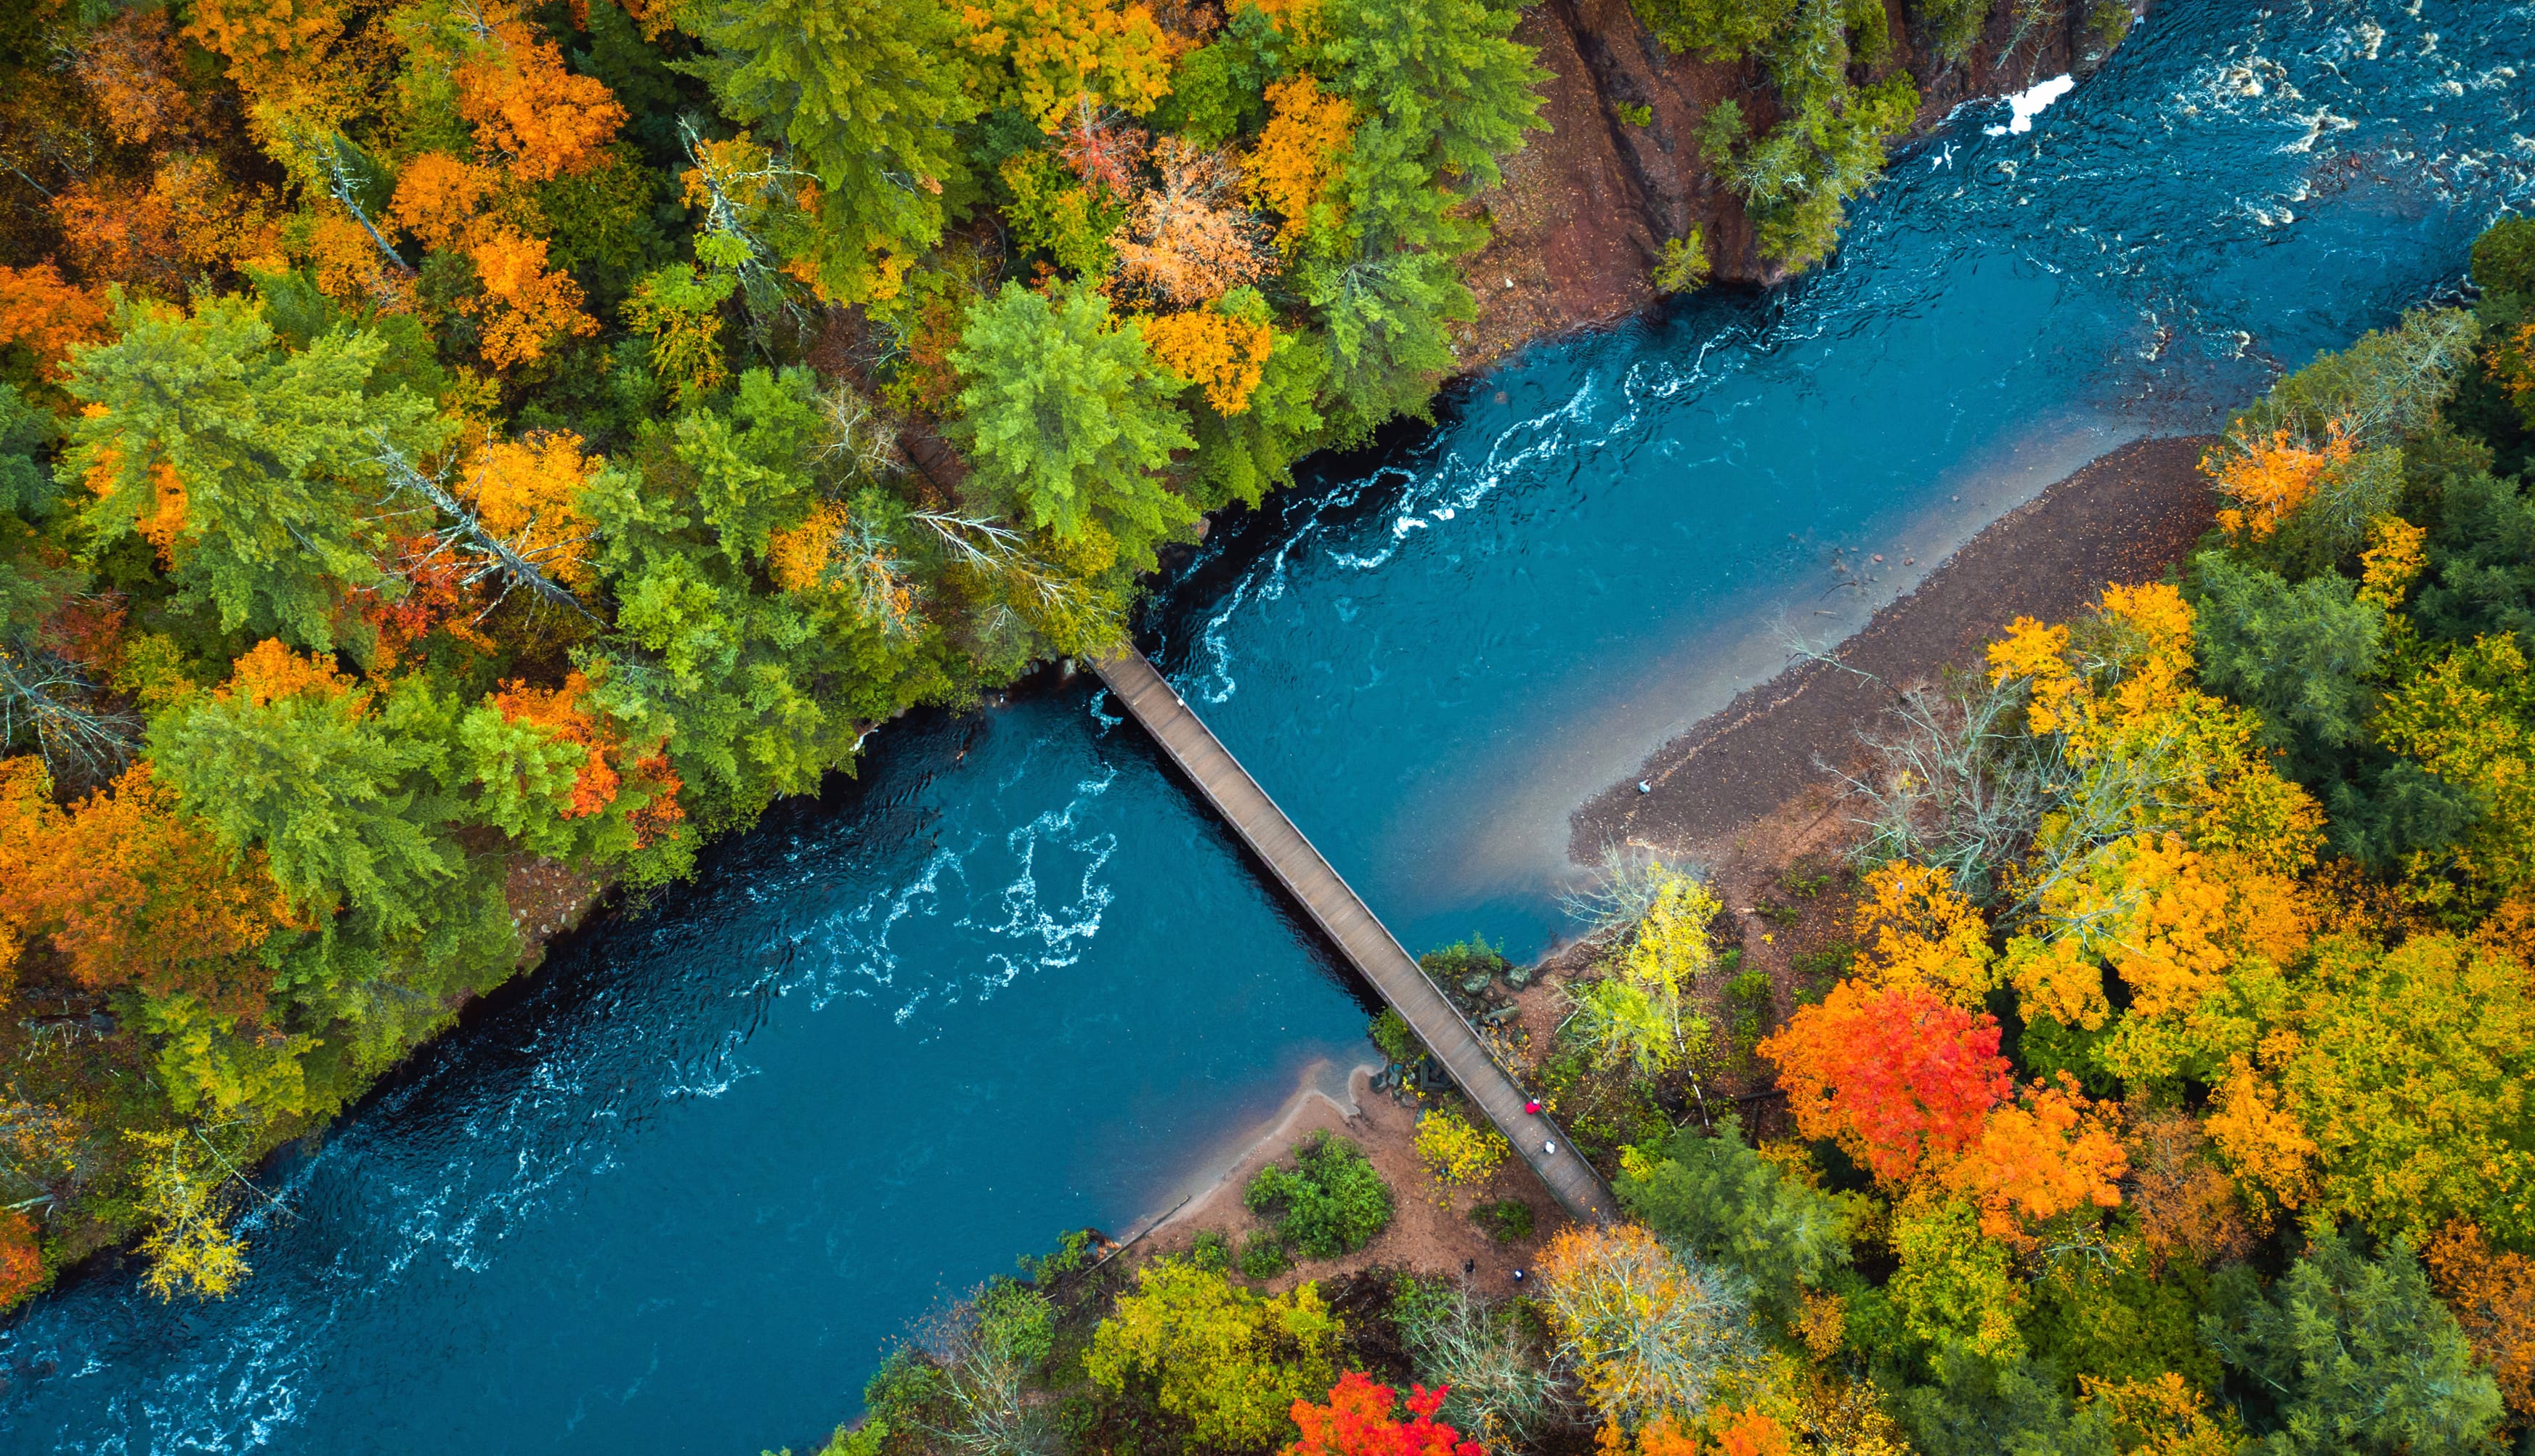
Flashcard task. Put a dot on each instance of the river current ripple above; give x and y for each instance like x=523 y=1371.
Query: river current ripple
x=672 y=1192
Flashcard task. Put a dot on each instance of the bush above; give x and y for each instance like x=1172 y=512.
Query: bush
x=1390 y=1032
x=1210 y=1250
x=1262 y=1258
x=1329 y=1203
x=1458 y=1154
x=1505 y=1220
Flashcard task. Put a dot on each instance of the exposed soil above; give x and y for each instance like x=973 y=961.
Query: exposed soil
x=2126 y=517
x=1430 y=1232
x=1583 y=210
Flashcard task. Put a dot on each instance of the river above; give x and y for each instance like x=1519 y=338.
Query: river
x=674 y=1193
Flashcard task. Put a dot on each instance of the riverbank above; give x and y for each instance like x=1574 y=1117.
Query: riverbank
x=2123 y=517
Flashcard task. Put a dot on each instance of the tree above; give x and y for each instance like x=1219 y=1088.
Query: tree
x=1954 y=1289
x=1652 y=1333
x=1388 y=346
x=1069 y=57
x=22 y=1260
x=2468 y=718
x=134 y=892
x=2409 y=1070
x=1915 y=930
x=43 y=313
x=1717 y=1198
x=1717 y=30
x=2307 y=658
x=1361 y=1420
x=186 y=1198
x=1225 y=1359
x=290 y=761
x=1893 y=1076
x=866 y=93
x=1446 y=76
x=249 y=467
x=2493 y=1293
x=543 y=120
x=1187 y=242
x=2049 y=1153
x=1331 y=1202
x=1302 y=152
x=2356 y=1354
x=1637 y=1012
x=1456 y=1153
x=1067 y=417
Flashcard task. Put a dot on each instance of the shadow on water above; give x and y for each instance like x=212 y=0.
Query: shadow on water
x=672 y=1192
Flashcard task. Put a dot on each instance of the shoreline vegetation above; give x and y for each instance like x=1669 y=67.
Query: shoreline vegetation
x=2115 y=1041
x=459 y=456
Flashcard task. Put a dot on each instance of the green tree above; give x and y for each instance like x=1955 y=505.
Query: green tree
x=2357 y=1356
x=1715 y=1197
x=1215 y=1354
x=1067 y=416
x=2306 y=657
x=867 y=93
x=341 y=798
x=252 y=466
x=1444 y=74
x=1242 y=456
x=1716 y=30
x=1388 y=338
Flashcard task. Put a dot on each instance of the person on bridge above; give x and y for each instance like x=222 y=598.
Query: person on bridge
x=1531 y=1107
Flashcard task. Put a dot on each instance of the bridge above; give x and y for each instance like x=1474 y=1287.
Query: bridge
x=1350 y=926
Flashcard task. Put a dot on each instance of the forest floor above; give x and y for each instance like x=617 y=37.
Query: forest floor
x=1744 y=796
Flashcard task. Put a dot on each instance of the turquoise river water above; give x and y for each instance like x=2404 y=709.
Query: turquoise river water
x=674 y=1193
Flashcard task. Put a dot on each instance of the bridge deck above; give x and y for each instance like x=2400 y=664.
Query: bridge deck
x=1343 y=917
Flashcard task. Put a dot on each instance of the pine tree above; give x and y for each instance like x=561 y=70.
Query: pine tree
x=866 y=91
x=1067 y=416
x=251 y=467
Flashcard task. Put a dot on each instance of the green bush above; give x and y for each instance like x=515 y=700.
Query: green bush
x=1505 y=1221
x=1390 y=1032
x=1210 y=1250
x=1262 y=1258
x=1331 y=1202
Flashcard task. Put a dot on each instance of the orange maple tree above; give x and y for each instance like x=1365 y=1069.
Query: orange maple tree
x=2047 y=1153
x=22 y=1262
x=132 y=891
x=47 y=314
x=565 y=714
x=528 y=108
x=1894 y=1075
x=1301 y=154
x=1361 y=1420
x=2270 y=478
x=1227 y=356
x=2493 y=1293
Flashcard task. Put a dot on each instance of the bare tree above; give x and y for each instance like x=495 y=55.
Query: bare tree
x=1503 y=1392
x=82 y=738
x=481 y=554
x=983 y=1350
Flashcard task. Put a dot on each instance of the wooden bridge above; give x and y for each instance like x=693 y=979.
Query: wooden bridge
x=1342 y=916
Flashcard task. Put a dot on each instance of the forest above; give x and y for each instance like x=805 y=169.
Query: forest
x=2165 y=1092
x=459 y=457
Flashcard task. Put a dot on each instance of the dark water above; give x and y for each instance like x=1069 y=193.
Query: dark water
x=671 y=1194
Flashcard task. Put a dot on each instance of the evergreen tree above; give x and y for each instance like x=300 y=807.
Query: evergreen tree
x=1067 y=417
x=2357 y=1355
x=1446 y=75
x=249 y=467
x=1388 y=341
x=1717 y=1199
x=867 y=92
x=2306 y=657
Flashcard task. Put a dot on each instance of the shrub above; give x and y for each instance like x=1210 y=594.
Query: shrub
x=1505 y=1220
x=1262 y=1258
x=1458 y=1154
x=1210 y=1250
x=1390 y=1032
x=1331 y=1202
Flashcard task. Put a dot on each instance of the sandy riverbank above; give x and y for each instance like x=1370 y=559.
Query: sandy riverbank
x=2124 y=518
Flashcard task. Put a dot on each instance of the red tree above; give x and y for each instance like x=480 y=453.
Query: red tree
x=1892 y=1076
x=22 y=1264
x=1359 y=1421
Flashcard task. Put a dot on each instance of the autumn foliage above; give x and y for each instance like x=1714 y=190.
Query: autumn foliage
x=1895 y=1077
x=1363 y=1418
